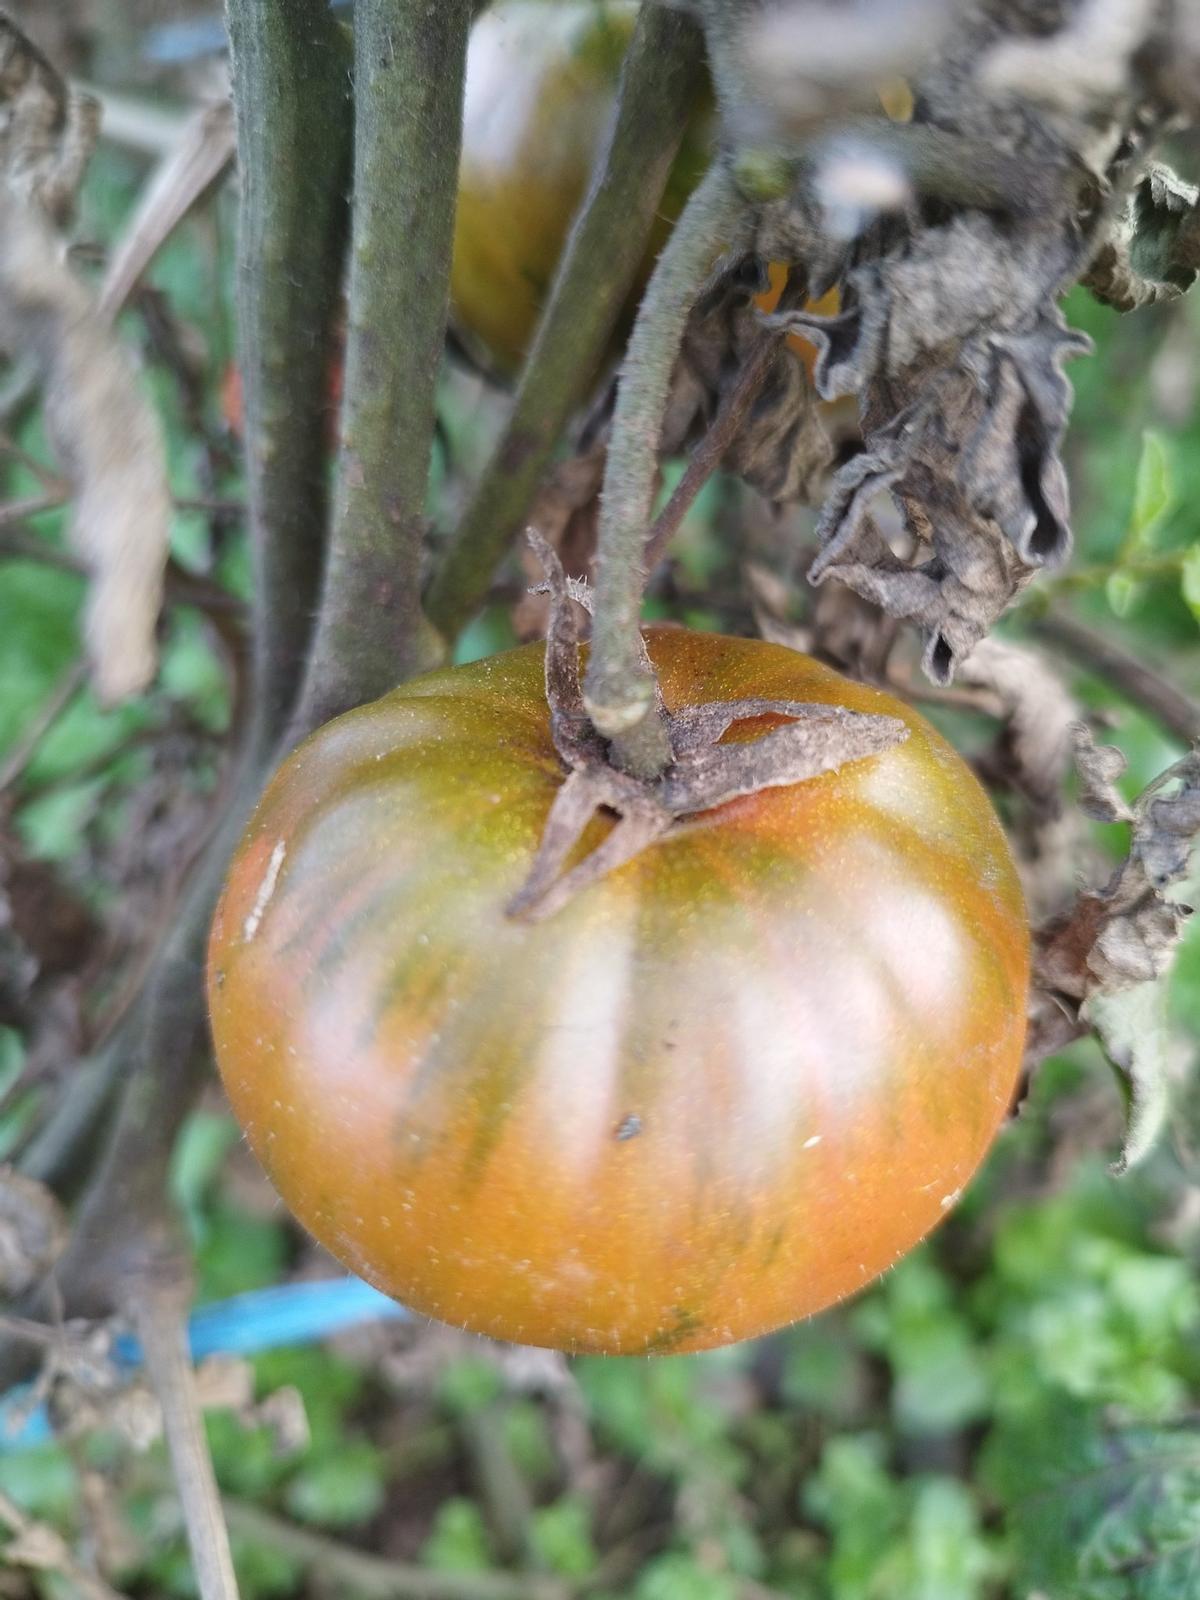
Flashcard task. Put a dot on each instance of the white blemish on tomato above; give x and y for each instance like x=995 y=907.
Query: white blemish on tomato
x=811 y=1143
x=950 y=1199
x=265 y=890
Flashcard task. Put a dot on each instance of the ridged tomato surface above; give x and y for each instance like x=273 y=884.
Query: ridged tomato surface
x=726 y=1086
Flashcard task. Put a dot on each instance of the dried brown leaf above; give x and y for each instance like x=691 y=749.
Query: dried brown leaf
x=107 y=439
x=1101 y=965
x=33 y=1231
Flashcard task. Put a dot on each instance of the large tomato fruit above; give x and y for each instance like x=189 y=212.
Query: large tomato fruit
x=726 y=1086
x=539 y=101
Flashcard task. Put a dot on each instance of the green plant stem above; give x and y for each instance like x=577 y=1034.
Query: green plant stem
x=619 y=690
x=410 y=59
x=662 y=72
x=291 y=75
x=724 y=32
x=1130 y=675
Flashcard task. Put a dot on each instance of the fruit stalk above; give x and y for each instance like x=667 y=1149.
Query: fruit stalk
x=619 y=691
x=662 y=72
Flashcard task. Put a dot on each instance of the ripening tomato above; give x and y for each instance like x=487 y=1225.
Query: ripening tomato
x=725 y=1086
x=539 y=102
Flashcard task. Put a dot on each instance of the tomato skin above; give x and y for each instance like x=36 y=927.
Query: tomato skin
x=724 y=1087
x=539 y=101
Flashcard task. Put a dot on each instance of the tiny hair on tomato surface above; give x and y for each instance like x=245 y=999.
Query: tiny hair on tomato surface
x=724 y=1087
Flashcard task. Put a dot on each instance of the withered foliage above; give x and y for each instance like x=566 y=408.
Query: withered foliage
x=106 y=436
x=1098 y=965
x=1028 y=166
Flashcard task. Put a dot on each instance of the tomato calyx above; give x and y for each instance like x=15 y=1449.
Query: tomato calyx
x=703 y=773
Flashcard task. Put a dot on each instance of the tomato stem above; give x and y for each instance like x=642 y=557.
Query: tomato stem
x=410 y=61
x=659 y=82
x=290 y=67
x=619 y=691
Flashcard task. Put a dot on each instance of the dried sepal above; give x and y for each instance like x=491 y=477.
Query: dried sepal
x=703 y=773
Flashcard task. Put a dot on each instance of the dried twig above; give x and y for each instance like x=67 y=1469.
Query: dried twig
x=348 y=1570
x=201 y=157
x=38 y=1547
x=159 y=1313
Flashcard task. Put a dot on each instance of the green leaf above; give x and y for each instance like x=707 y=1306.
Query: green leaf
x=680 y=1577
x=1122 y=593
x=1153 y=494
x=42 y=1481
x=200 y=1150
x=527 y=1435
x=192 y=671
x=941 y=1382
x=328 y=1386
x=459 y=1540
x=467 y=1386
x=346 y=1487
x=247 y=1459
x=1095 y=1512
x=238 y=1252
x=823 y=1371
x=1190 y=580
x=561 y=1535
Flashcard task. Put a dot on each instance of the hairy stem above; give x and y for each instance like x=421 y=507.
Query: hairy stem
x=659 y=80
x=725 y=32
x=619 y=692
x=290 y=71
x=410 y=59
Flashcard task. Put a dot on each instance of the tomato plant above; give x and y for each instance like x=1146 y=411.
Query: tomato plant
x=727 y=1085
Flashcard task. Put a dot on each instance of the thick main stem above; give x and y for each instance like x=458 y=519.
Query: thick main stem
x=410 y=58
x=290 y=70
x=659 y=81
x=619 y=692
